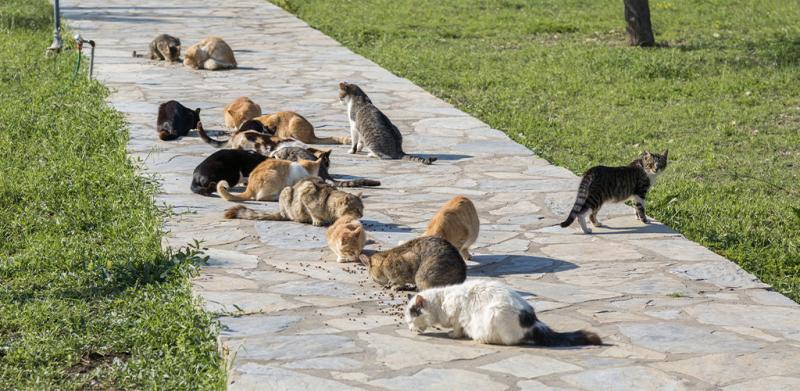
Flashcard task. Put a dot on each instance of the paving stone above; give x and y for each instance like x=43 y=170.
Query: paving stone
x=250 y=325
x=772 y=383
x=338 y=363
x=677 y=338
x=582 y=252
x=724 y=274
x=230 y=259
x=296 y=347
x=530 y=366
x=533 y=385
x=252 y=376
x=633 y=378
x=292 y=236
x=219 y=282
x=771 y=318
x=362 y=322
x=440 y=379
x=397 y=353
x=726 y=368
x=559 y=292
x=245 y=301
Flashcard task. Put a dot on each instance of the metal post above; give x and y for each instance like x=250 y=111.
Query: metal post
x=57 y=43
x=91 y=59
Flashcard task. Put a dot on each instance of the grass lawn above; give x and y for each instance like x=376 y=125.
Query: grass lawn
x=557 y=76
x=88 y=299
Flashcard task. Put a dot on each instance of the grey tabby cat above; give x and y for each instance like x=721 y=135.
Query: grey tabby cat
x=294 y=154
x=370 y=128
x=603 y=184
x=164 y=47
x=421 y=263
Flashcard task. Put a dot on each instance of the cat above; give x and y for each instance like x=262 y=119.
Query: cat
x=294 y=153
x=420 y=263
x=370 y=128
x=457 y=222
x=310 y=200
x=288 y=124
x=163 y=47
x=269 y=178
x=176 y=120
x=230 y=165
x=239 y=111
x=254 y=140
x=601 y=184
x=346 y=237
x=487 y=312
x=211 y=53
x=252 y=124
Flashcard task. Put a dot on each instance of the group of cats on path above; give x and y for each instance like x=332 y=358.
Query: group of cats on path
x=271 y=154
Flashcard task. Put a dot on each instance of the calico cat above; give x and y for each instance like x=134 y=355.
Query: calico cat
x=229 y=165
x=310 y=200
x=240 y=110
x=346 y=237
x=176 y=120
x=295 y=153
x=371 y=128
x=270 y=177
x=211 y=53
x=421 y=263
x=487 y=312
x=163 y=47
x=288 y=124
x=457 y=222
x=254 y=140
x=601 y=184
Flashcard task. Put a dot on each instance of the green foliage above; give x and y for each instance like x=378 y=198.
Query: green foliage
x=557 y=76
x=87 y=295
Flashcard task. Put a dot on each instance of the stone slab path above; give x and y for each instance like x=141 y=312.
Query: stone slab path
x=675 y=315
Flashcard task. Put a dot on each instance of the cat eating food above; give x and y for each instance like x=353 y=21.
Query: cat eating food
x=269 y=178
x=601 y=184
x=211 y=53
x=176 y=120
x=286 y=151
x=457 y=222
x=230 y=165
x=346 y=237
x=487 y=312
x=239 y=111
x=421 y=263
x=288 y=124
x=163 y=47
x=370 y=128
x=254 y=140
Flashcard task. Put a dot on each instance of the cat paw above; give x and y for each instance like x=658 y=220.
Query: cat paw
x=316 y=223
x=586 y=231
x=352 y=151
x=645 y=220
x=598 y=224
x=455 y=334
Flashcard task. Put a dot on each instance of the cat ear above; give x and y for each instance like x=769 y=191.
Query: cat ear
x=666 y=152
x=364 y=259
x=419 y=301
x=197 y=111
x=343 y=85
x=409 y=296
x=359 y=194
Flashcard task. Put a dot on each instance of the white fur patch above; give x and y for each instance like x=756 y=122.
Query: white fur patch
x=296 y=173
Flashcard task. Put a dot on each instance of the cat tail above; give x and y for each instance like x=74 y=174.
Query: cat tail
x=580 y=200
x=331 y=140
x=541 y=334
x=242 y=212
x=207 y=139
x=222 y=189
x=356 y=183
x=423 y=160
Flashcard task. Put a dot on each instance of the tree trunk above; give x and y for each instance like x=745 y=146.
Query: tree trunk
x=637 y=15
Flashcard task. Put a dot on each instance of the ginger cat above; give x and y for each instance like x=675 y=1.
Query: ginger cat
x=240 y=110
x=346 y=237
x=211 y=53
x=269 y=178
x=288 y=124
x=457 y=222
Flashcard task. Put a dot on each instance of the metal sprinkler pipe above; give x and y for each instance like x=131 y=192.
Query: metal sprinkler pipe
x=57 y=43
x=80 y=41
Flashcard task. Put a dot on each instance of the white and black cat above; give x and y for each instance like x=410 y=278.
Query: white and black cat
x=487 y=312
x=175 y=120
x=370 y=128
x=230 y=165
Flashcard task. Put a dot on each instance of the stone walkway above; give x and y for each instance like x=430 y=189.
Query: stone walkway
x=675 y=315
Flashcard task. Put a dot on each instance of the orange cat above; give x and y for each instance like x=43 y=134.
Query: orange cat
x=346 y=237
x=288 y=124
x=270 y=177
x=211 y=53
x=240 y=110
x=457 y=222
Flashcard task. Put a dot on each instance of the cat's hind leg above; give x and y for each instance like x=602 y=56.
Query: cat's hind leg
x=593 y=218
x=212 y=65
x=640 y=214
x=582 y=221
x=457 y=332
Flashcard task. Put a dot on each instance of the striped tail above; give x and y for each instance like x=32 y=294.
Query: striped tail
x=356 y=183
x=580 y=200
x=206 y=138
x=541 y=334
x=423 y=160
x=242 y=212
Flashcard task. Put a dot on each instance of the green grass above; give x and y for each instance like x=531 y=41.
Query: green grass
x=88 y=299
x=557 y=76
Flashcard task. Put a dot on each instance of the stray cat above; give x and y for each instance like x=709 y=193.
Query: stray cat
x=163 y=47
x=310 y=200
x=270 y=177
x=211 y=53
x=254 y=140
x=421 y=263
x=239 y=111
x=296 y=153
x=371 y=128
x=487 y=312
x=229 y=165
x=457 y=222
x=346 y=237
x=603 y=184
x=288 y=124
x=252 y=124
x=176 y=120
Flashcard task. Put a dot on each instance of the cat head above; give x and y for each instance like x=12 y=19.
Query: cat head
x=190 y=57
x=416 y=315
x=350 y=245
x=654 y=163
x=325 y=154
x=349 y=91
x=373 y=264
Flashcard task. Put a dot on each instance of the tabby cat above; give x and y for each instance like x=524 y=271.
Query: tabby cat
x=164 y=47
x=421 y=263
x=370 y=128
x=603 y=184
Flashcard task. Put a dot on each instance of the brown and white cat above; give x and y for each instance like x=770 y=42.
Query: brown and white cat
x=457 y=222
x=211 y=53
x=422 y=263
x=286 y=151
x=370 y=128
x=346 y=237
x=253 y=140
x=288 y=124
x=601 y=184
x=309 y=201
x=269 y=178
x=239 y=111
x=163 y=47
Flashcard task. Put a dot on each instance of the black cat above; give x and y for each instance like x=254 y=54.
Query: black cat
x=230 y=165
x=175 y=120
